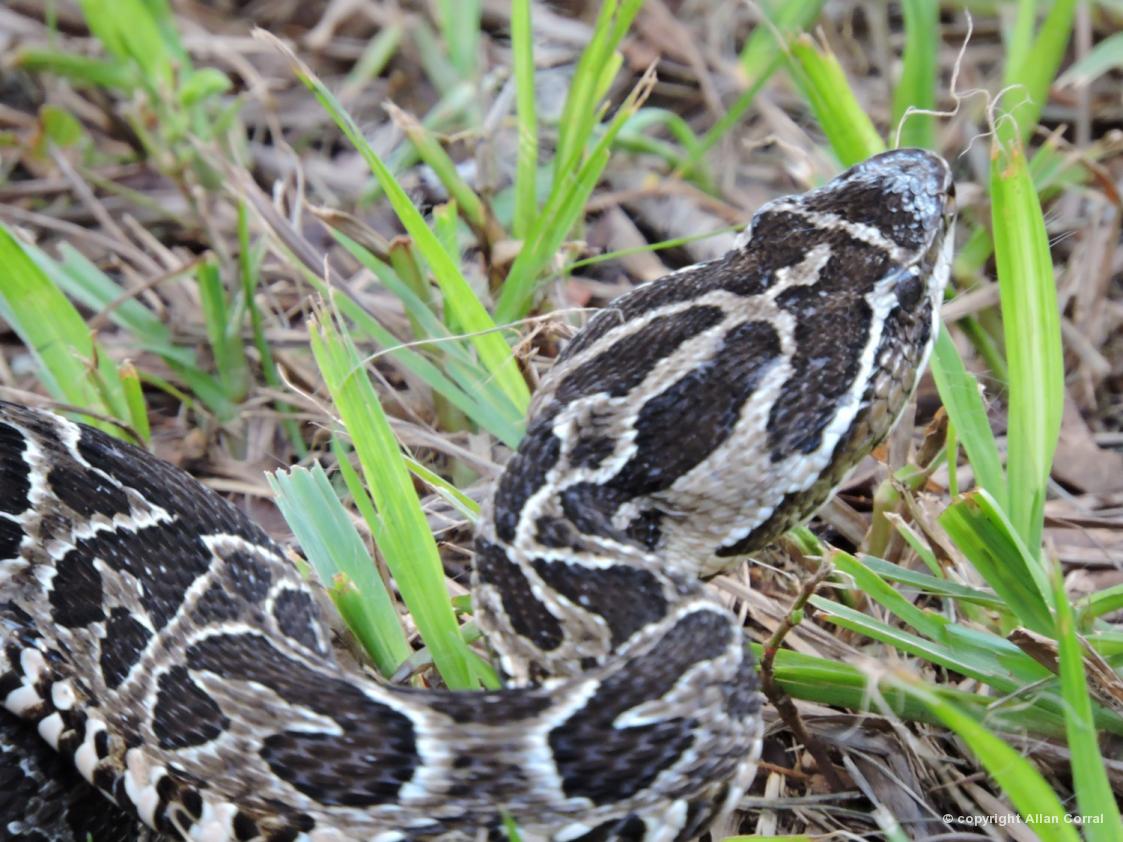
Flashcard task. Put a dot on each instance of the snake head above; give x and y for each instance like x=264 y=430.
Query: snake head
x=906 y=196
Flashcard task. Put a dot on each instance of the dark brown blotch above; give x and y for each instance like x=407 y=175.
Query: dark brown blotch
x=15 y=482
x=86 y=492
x=528 y=617
x=166 y=486
x=166 y=558
x=365 y=765
x=591 y=449
x=125 y=639
x=218 y=605
x=498 y=708
x=832 y=328
x=711 y=395
x=624 y=365
x=525 y=473
x=184 y=714
x=627 y=598
x=780 y=240
x=11 y=538
x=76 y=589
x=298 y=618
x=604 y=763
x=646 y=528
x=248 y=574
x=245 y=828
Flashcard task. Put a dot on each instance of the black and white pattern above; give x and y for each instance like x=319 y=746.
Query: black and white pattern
x=162 y=647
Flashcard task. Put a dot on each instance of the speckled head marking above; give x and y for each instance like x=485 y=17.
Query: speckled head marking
x=163 y=647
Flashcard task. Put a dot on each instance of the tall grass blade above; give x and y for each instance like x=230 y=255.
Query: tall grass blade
x=1094 y=796
x=333 y=546
x=981 y=530
x=1027 y=790
x=401 y=530
x=1032 y=330
x=1031 y=69
x=460 y=26
x=591 y=78
x=526 y=108
x=917 y=85
x=959 y=392
x=70 y=362
x=461 y=301
x=561 y=212
x=846 y=124
x=128 y=29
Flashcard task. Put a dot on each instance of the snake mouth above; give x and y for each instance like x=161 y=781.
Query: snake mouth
x=950 y=206
x=951 y=210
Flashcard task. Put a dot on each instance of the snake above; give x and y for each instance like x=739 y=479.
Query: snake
x=168 y=673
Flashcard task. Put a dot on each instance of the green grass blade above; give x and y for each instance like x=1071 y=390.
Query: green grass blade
x=634 y=138
x=1032 y=69
x=446 y=225
x=249 y=271
x=526 y=165
x=1094 y=796
x=456 y=498
x=433 y=154
x=1102 y=58
x=463 y=305
x=982 y=532
x=591 y=77
x=401 y=531
x=58 y=338
x=128 y=29
x=830 y=682
x=931 y=585
x=917 y=85
x=990 y=659
x=959 y=392
x=1019 y=36
x=434 y=58
x=84 y=282
x=114 y=73
x=1027 y=790
x=492 y=418
x=929 y=624
x=1099 y=603
x=223 y=331
x=785 y=18
x=79 y=278
x=134 y=401
x=460 y=26
x=466 y=385
x=1032 y=329
x=335 y=549
x=560 y=214
x=846 y=124
x=376 y=55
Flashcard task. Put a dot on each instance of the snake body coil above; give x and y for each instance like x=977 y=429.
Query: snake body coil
x=164 y=647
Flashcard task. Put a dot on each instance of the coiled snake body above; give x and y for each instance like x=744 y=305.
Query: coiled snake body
x=164 y=647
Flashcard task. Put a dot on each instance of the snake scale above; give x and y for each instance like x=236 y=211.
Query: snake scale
x=167 y=653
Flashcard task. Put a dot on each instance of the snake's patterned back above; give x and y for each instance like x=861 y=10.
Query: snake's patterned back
x=164 y=647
